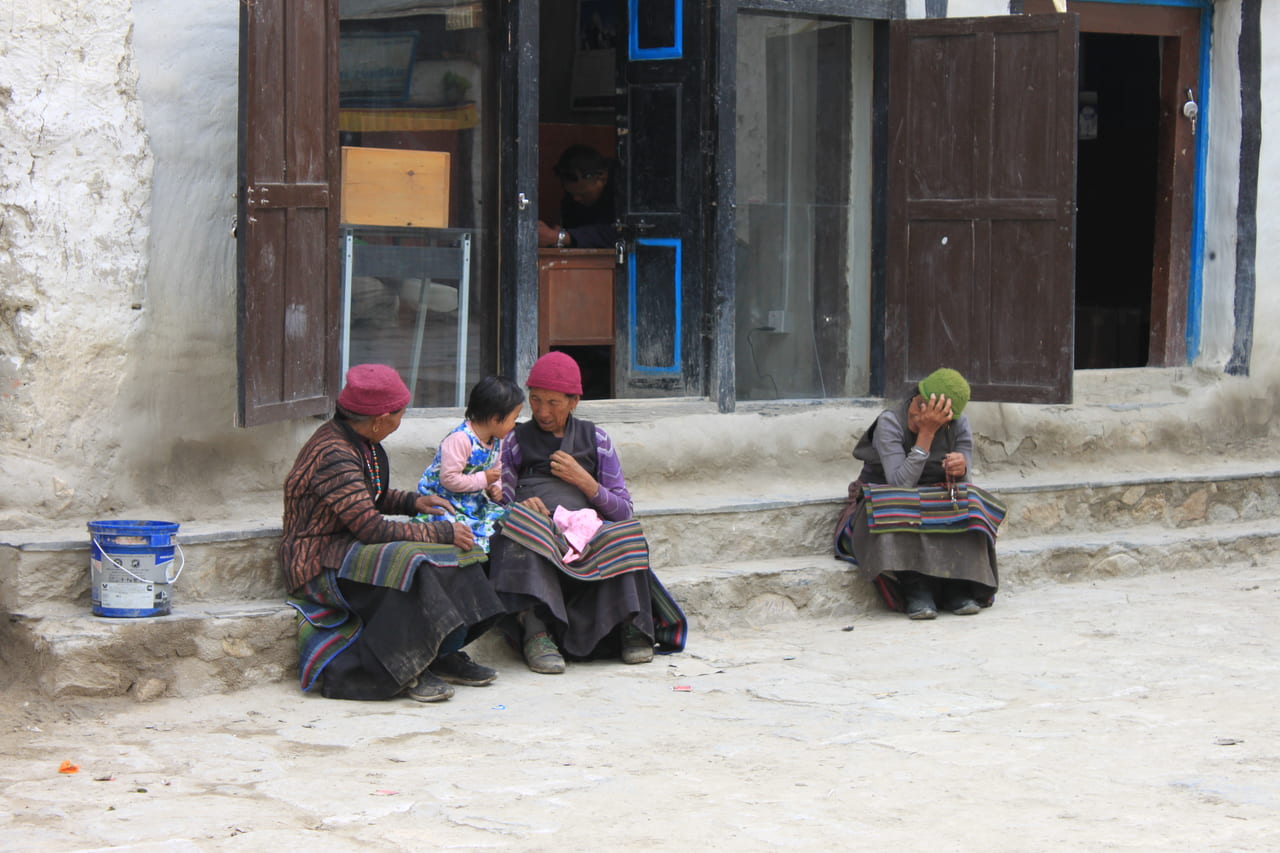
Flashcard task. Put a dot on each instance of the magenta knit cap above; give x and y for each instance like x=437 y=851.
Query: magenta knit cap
x=556 y=371
x=373 y=389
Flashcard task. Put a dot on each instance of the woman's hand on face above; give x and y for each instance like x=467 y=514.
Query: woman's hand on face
x=953 y=465
x=463 y=538
x=933 y=412
x=433 y=505
x=536 y=505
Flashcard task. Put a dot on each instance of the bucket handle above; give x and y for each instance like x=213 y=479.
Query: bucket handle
x=182 y=565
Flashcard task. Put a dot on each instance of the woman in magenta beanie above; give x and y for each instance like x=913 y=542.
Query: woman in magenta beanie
x=386 y=605
x=605 y=601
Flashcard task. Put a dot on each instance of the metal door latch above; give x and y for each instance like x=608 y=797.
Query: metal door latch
x=1191 y=110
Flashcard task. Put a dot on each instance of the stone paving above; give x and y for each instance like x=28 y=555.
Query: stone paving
x=1123 y=714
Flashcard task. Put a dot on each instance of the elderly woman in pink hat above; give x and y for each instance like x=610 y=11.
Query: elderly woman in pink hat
x=387 y=604
x=572 y=564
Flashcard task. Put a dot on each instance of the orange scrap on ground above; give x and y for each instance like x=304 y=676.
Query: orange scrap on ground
x=68 y=767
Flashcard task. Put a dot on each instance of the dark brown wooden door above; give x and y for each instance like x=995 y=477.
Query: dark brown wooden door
x=287 y=191
x=661 y=337
x=981 y=204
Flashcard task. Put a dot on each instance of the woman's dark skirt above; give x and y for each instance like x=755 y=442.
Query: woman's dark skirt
x=880 y=557
x=583 y=616
x=445 y=608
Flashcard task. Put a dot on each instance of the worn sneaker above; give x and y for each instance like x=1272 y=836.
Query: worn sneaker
x=962 y=606
x=920 y=605
x=459 y=668
x=427 y=688
x=541 y=654
x=636 y=647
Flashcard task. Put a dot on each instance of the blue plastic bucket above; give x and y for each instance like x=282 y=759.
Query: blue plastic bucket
x=129 y=564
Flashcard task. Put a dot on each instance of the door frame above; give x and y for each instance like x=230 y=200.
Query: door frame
x=1177 y=267
x=518 y=188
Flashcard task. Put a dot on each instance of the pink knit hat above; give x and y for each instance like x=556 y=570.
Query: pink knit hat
x=556 y=371
x=373 y=389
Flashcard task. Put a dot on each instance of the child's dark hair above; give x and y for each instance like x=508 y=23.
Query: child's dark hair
x=493 y=397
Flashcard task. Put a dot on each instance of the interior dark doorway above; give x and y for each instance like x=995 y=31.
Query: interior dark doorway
x=1117 y=157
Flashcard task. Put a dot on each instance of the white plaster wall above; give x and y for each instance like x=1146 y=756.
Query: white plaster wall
x=117 y=265
x=75 y=188
x=1222 y=180
x=1266 y=327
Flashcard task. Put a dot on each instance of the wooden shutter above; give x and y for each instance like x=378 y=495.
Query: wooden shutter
x=288 y=305
x=982 y=118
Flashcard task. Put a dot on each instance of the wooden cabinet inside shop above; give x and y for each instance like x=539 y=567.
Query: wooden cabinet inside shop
x=575 y=308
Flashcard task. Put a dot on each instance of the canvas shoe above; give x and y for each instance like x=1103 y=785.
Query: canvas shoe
x=541 y=654
x=427 y=688
x=459 y=668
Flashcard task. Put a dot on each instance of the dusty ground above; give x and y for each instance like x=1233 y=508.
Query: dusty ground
x=1130 y=714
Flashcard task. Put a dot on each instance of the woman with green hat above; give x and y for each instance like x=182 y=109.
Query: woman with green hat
x=914 y=525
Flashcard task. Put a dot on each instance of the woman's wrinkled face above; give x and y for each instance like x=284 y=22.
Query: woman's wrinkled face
x=551 y=409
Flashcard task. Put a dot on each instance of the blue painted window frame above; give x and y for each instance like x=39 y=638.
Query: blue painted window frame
x=678 y=355
x=636 y=52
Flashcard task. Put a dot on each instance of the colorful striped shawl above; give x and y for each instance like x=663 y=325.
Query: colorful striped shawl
x=932 y=509
x=327 y=625
x=617 y=548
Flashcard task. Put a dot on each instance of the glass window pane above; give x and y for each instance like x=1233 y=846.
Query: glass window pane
x=413 y=78
x=803 y=207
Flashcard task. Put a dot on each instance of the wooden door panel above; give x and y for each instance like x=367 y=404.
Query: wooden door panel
x=981 y=204
x=1023 y=156
x=1017 y=346
x=945 y=121
x=287 y=254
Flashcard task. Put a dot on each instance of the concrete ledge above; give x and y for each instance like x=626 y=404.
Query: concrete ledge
x=222 y=647
x=211 y=649
x=1075 y=557
x=238 y=562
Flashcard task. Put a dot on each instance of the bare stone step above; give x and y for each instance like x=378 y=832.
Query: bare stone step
x=211 y=648
x=237 y=562
x=1104 y=554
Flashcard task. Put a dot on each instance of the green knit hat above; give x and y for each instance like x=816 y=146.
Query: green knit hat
x=949 y=383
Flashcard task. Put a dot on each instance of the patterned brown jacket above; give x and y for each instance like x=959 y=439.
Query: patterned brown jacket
x=329 y=506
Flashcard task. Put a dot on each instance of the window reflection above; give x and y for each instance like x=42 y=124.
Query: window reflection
x=412 y=78
x=803 y=207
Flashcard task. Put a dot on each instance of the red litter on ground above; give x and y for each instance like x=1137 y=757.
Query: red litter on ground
x=68 y=767
x=683 y=688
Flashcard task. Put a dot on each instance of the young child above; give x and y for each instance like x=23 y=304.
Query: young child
x=467 y=470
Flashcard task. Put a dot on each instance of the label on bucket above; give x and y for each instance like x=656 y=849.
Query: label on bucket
x=127 y=596
x=115 y=589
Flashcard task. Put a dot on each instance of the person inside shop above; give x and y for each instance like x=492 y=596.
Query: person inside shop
x=587 y=213
x=914 y=525
x=386 y=604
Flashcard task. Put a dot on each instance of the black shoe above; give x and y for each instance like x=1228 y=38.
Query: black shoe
x=919 y=602
x=458 y=668
x=427 y=688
